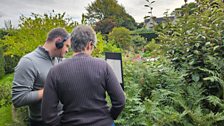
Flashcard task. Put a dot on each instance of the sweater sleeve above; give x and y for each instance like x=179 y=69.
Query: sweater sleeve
x=22 y=89
x=115 y=92
x=50 y=101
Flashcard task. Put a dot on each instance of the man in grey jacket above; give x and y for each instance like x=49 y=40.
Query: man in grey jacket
x=31 y=72
x=81 y=83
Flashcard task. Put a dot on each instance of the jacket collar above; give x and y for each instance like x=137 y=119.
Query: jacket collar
x=43 y=52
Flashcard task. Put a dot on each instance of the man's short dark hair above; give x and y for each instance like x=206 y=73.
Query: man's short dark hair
x=57 y=32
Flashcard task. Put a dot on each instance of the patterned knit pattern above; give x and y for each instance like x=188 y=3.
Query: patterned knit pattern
x=81 y=83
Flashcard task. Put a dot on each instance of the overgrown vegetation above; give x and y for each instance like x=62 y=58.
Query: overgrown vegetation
x=100 y=12
x=2 y=64
x=121 y=37
x=8 y=115
x=195 y=44
x=177 y=79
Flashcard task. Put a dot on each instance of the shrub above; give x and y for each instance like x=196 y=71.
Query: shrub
x=103 y=46
x=32 y=32
x=10 y=115
x=121 y=37
x=5 y=115
x=138 y=42
x=194 y=42
x=148 y=34
x=105 y=26
x=140 y=80
x=5 y=89
x=2 y=63
x=133 y=113
x=10 y=63
x=152 y=49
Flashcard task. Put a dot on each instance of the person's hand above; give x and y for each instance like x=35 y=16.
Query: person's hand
x=40 y=93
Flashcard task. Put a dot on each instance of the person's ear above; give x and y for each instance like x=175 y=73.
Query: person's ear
x=89 y=46
x=92 y=45
x=58 y=39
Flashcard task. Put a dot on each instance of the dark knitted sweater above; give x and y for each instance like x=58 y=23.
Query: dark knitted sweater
x=81 y=83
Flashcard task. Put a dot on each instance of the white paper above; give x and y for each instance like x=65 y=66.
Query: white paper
x=116 y=66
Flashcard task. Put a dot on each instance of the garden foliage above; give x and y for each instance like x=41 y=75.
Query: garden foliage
x=186 y=88
x=2 y=63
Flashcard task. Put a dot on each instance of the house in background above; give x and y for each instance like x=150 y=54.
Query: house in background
x=153 y=21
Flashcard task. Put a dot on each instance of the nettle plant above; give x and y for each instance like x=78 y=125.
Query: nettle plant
x=194 y=42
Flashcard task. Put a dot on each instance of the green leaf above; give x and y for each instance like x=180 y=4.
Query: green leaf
x=146 y=5
x=215 y=48
x=195 y=77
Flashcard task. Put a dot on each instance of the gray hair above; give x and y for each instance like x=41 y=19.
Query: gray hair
x=57 y=32
x=80 y=36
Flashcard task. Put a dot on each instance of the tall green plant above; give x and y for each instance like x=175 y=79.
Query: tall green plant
x=121 y=37
x=32 y=32
x=8 y=114
x=2 y=63
x=103 y=46
x=182 y=105
x=100 y=10
x=138 y=43
x=194 y=42
x=133 y=113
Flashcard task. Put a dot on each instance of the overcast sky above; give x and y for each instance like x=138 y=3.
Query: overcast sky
x=13 y=9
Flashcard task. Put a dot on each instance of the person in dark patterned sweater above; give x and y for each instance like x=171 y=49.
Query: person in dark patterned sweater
x=80 y=84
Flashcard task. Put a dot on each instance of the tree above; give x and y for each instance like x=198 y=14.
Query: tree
x=149 y=34
x=8 y=24
x=121 y=36
x=149 y=5
x=103 y=46
x=2 y=62
x=185 y=9
x=3 y=33
x=105 y=26
x=83 y=20
x=138 y=43
x=194 y=43
x=33 y=31
x=103 y=9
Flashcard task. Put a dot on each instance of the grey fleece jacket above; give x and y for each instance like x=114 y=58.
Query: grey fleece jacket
x=30 y=75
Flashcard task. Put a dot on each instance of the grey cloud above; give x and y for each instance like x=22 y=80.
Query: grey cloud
x=1 y=14
x=141 y=3
x=12 y=9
